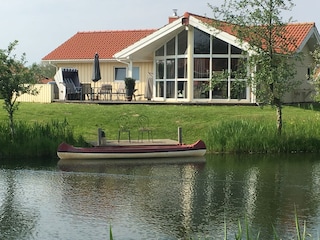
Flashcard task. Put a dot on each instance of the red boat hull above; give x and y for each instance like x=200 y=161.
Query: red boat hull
x=66 y=151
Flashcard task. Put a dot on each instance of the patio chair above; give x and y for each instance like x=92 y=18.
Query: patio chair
x=121 y=91
x=106 y=91
x=123 y=122
x=86 y=91
x=143 y=123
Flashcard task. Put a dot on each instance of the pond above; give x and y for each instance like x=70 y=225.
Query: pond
x=185 y=200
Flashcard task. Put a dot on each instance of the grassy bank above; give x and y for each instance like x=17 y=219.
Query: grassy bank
x=33 y=140
x=223 y=128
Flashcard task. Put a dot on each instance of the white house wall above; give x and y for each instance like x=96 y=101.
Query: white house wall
x=107 y=74
x=304 y=92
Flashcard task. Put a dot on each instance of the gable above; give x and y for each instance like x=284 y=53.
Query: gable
x=140 y=44
x=300 y=32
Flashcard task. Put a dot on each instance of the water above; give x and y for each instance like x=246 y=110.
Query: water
x=161 y=201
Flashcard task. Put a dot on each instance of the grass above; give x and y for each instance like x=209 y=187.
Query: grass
x=35 y=140
x=243 y=232
x=223 y=128
x=248 y=136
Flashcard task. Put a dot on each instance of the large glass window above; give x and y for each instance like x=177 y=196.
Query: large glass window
x=171 y=47
x=170 y=89
x=201 y=89
x=160 y=51
x=182 y=43
x=159 y=89
x=238 y=65
x=211 y=56
x=219 y=64
x=159 y=69
x=235 y=50
x=182 y=89
x=238 y=89
x=201 y=68
x=170 y=67
x=201 y=42
x=182 y=68
x=220 y=90
x=219 y=46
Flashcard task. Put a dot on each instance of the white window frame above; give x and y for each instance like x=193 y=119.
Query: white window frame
x=135 y=72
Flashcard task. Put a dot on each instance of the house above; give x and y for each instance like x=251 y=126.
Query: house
x=175 y=62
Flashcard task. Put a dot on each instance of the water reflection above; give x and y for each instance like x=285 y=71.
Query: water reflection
x=250 y=189
x=162 y=200
x=12 y=212
x=91 y=165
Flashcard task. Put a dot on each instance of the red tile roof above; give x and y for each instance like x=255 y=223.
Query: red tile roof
x=297 y=32
x=83 y=45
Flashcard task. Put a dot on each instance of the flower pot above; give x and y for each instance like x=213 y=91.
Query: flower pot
x=129 y=93
x=130 y=85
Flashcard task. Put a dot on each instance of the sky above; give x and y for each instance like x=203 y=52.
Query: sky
x=40 y=26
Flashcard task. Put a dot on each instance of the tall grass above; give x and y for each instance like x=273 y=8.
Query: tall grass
x=243 y=232
x=36 y=139
x=248 y=136
x=223 y=128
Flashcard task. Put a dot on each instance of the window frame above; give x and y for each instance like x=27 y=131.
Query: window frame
x=135 y=70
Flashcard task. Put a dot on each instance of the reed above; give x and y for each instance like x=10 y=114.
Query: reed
x=245 y=233
x=36 y=139
x=249 y=136
x=237 y=129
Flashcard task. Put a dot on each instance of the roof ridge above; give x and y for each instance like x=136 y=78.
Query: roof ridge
x=196 y=15
x=302 y=23
x=110 y=31
x=187 y=14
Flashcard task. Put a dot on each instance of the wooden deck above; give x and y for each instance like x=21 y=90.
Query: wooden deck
x=152 y=102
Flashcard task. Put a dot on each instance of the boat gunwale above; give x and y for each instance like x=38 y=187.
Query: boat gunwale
x=134 y=151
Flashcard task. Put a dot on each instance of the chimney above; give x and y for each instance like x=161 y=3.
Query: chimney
x=174 y=16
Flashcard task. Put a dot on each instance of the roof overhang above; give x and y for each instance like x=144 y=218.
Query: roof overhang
x=144 y=49
x=63 y=61
x=311 y=40
x=224 y=36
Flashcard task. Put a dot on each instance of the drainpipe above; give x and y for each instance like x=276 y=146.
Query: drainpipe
x=129 y=73
x=53 y=66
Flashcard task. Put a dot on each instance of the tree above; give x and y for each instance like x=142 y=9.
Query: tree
x=43 y=71
x=15 y=80
x=316 y=72
x=270 y=60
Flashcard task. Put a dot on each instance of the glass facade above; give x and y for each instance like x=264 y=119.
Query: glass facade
x=211 y=56
x=171 y=68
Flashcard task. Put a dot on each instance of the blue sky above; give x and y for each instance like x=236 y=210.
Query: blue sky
x=42 y=25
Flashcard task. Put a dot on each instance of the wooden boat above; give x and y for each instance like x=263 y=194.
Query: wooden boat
x=132 y=151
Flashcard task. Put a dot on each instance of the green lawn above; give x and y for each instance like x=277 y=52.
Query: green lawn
x=165 y=119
